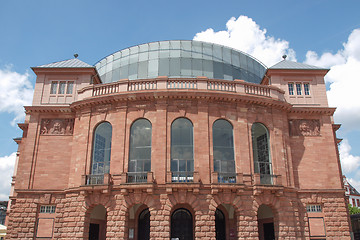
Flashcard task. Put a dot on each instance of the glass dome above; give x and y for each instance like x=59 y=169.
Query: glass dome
x=180 y=59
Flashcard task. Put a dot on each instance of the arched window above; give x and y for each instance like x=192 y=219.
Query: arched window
x=223 y=148
x=100 y=163
x=182 y=224
x=182 y=150
x=261 y=152
x=140 y=151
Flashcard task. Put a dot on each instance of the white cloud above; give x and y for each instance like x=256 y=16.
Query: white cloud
x=7 y=169
x=15 y=91
x=344 y=80
x=245 y=35
x=349 y=162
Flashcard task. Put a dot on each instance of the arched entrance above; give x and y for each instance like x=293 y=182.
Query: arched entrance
x=266 y=223
x=97 y=228
x=144 y=225
x=182 y=225
x=220 y=225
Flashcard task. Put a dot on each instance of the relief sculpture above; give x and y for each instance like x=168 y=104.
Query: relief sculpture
x=57 y=126
x=304 y=127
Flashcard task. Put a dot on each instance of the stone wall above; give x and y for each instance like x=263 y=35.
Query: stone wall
x=72 y=216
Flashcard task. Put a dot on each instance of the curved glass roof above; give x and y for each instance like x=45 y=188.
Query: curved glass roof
x=180 y=59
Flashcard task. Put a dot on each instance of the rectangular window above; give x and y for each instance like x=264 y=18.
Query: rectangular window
x=358 y=202
x=47 y=209
x=70 y=86
x=291 y=88
x=62 y=88
x=313 y=208
x=53 y=89
x=353 y=202
x=298 y=88
x=306 y=89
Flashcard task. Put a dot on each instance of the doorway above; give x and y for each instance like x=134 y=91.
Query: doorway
x=182 y=225
x=144 y=225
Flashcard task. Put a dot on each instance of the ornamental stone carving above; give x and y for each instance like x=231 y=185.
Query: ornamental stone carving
x=57 y=126
x=304 y=127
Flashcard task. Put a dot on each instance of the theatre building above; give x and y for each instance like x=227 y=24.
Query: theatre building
x=178 y=140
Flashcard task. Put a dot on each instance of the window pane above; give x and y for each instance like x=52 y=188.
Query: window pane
x=69 y=89
x=175 y=67
x=291 y=88
x=182 y=144
x=143 y=68
x=306 y=89
x=101 y=149
x=62 y=87
x=298 y=88
x=261 y=153
x=140 y=145
x=53 y=88
x=223 y=149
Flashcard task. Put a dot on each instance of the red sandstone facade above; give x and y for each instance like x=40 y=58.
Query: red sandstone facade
x=52 y=197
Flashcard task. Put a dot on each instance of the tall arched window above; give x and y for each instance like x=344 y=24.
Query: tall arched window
x=140 y=151
x=223 y=148
x=261 y=152
x=100 y=163
x=182 y=150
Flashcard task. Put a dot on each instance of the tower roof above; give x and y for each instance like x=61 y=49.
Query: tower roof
x=286 y=64
x=70 y=63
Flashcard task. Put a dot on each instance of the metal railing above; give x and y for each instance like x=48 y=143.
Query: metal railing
x=226 y=177
x=265 y=170
x=267 y=179
x=94 y=179
x=137 y=177
x=182 y=176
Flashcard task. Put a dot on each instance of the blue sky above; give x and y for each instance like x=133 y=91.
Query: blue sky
x=318 y=32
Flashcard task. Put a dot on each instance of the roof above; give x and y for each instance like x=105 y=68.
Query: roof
x=286 y=64
x=70 y=63
x=180 y=59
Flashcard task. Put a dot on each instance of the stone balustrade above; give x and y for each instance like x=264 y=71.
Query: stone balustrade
x=197 y=84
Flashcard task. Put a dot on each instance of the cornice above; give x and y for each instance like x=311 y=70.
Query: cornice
x=313 y=110
x=47 y=109
x=172 y=94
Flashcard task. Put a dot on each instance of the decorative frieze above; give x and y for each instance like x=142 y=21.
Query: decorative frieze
x=304 y=127
x=57 y=126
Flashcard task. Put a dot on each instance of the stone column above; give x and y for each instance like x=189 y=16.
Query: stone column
x=247 y=225
x=205 y=224
x=160 y=219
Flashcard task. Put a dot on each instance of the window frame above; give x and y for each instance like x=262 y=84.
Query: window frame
x=306 y=89
x=67 y=90
x=298 y=86
x=180 y=175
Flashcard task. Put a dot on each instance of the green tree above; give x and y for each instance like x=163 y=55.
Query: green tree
x=353 y=210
